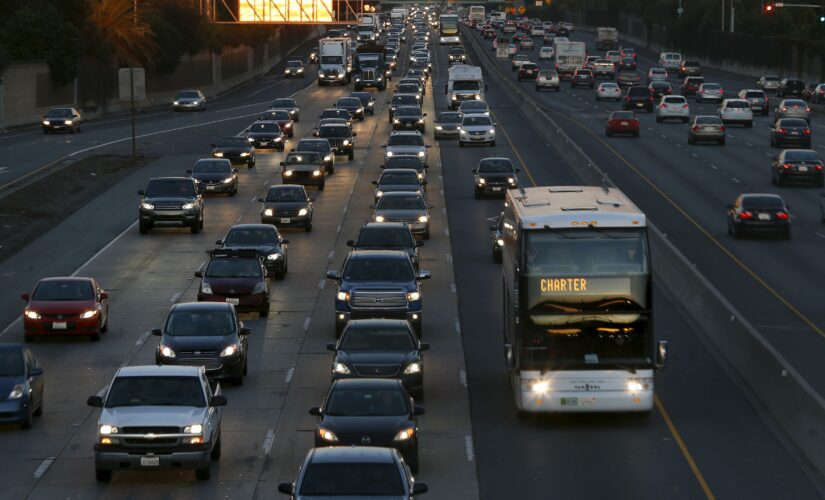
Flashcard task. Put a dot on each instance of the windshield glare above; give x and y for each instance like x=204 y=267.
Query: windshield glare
x=306 y=158
x=156 y=391
x=353 y=480
x=170 y=188
x=366 y=402
x=11 y=363
x=373 y=269
x=375 y=339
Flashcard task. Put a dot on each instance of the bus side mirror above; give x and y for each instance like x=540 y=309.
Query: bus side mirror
x=661 y=355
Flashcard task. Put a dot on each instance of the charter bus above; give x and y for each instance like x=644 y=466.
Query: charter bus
x=477 y=13
x=448 y=29
x=577 y=289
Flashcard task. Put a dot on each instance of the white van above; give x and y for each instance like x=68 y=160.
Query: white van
x=670 y=60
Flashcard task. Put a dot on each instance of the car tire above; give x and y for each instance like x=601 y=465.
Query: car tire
x=460 y=143
x=321 y=186
x=691 y=140
x=636 y=134
x=497 y=257
x=785 y=234
x=749 y=125
x=426 y=235
x=493 y=144
x=203 y=474
x=476 y=194
x=103 y=475
x=26 y=423
x=658 y=119
x=196 y=226
x=39 y=411
x=250 y=165
x=216 y=450
x=28 y=338
x=265 y=312
x=413 y=462
x=736 y=232
x=722 y=141
x=308 y=228
x=105 y=326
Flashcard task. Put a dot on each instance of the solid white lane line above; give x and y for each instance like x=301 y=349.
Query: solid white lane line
x=452 y=287
x=106 y=247
x=143 y=338
x=289 y=373
x=468 y=448
x=306 y=323
x=175 y=297
x=322 y=284
x=331 y=254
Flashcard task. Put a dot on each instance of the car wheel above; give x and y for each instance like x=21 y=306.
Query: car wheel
x=608 y=133
x=321 y=186
x=39 y=411
x=460 y=144
x=308 y=228
x=103 y=475
x=216 y=450
x=691 y=140
x=749 y=125
x=280 y=273
x=26 y=423
x=493 y=143
x=251 y=165
x=196 y=226
x=658 y=119
x=265 y=312
x=105 y=326
x=427 y=234
x=786 y=233
x=203 y=474
x=477 y=194
x=636 y=134
x=497 y=257
x=736 y=232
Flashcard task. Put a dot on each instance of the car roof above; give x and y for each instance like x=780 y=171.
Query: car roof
x=159 y=371
x=378 y=254
x=476 y=115
x=405 y=132
x=278 y=187
x=201 y=306
x=408 y=171
x=351 y=454
x=170 y=179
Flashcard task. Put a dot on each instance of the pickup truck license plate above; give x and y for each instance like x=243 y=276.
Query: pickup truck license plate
x=149 y=461
x=62 y=325
x=232 y=301
x=285 y=220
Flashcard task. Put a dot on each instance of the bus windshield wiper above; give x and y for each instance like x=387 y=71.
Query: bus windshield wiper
x=619 y=366
x=556 y=231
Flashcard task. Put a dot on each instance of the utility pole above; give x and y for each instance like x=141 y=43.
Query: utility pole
x=132 y=90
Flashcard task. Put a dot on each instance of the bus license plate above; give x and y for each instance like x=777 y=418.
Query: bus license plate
x=149 y=461
x=62 y=325
x=232 y=301
x=583 y=402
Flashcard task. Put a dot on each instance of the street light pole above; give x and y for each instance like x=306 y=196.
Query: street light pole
x=132 y=90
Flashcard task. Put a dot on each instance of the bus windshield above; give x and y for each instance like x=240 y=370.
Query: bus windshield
x=589 y=252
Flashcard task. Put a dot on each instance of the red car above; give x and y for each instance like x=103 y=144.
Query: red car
x=691 y=85
x=528 y=71
x=622 y=122
x=66 y=306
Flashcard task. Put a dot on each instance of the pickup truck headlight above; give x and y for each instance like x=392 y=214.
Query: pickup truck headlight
x=193 y=429
x=421 y=154
x=287 y=173
x=327 y=435
x=412 y=368
x=107 y=430
x=188 y=206
x=340 y=369
x=342 y=296
x=346 y=142
x=413 y=296
x=166 y=352
x=405 y=434
x=147 y=206
x=389 y=154
x=230 y=350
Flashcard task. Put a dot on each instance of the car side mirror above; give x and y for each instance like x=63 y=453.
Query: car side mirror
x=260 y=200
x=425 y=114
x=424 y=275
x=157 y=332
x=374 y=183
x=25 y=296
x=333 y=275
x=104 y=295
x=289 y=488
x=189 y=171
x=217 y=400
x=331 y=347
x=518 y=170
x=418 y=410
x=384 y=146
x=428 y=145
x=493 y=228
x=351 y=243
x=284 y=241
x=315 y=411
x=95 y=402
x=198 y=274
x=310 y=199
x=142 y=192
x=420 y=488
x=424 y=183
x=423 y=346
x=661 y=355
x=36 y=372
x=245 y=331
x=283 y=163
x=355 y=134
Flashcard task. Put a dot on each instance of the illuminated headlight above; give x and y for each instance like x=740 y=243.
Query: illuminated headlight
x=413 y=296
x=639 y=384
x=288 y=173
x=188 y=206
x=346 y=142
x=288 y=125
x=91 y=313
x=357 y=78
x=32 y=314
x=278 y=139
x=342 y=296
x=423 y=218
x=273 y=256
x=328 y=158
x=300 y=70
x=455 y=98
x=379 y=218
x=379 y=194
x=147 y=206
x=420 y=176
x=176 y=103
x=302 y=212
x=541 y=387
x=166 y=352
x=492 y=131
x=193 y=429
x=482 y=181
x=420 y=120
x=107 y=430
x=361 y=110
x=370 y=104
x=268 y=212
x=340 y=75
x=500 y=242
x=340 y=369
x=316 y=173
x=412 y=368
x=206 y=289
x=292 y=111
x=421 y=154
x=218 y=154
x=228 y=180
x=396 y=120
x=288 y=71
x=327 y=435
x=439 y=127
x=245 y=154
x=462 y=131
x=67 y=122
x=511 y=180
x=230 y=350
x=46 y=122
x=405 y=435
x=477 y=97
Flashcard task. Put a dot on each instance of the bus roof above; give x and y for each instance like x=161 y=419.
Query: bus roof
x=574 y=207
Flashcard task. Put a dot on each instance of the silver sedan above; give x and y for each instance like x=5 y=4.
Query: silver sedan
x=792 y=108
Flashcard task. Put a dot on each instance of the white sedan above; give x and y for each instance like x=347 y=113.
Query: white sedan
x=477 y=129
x=736 y=111
x=608 y=90
x=547 y=52
x=673 y=107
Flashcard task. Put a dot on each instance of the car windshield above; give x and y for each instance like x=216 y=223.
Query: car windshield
x=404 y=202
x=408 y=88
x=377 y=339
x=363 y=402
x=711 y=86
x=377 y=237
x=408 y=111
x=405 y=140
x=294 y=64
x=233 y=142
x=609 y=85
x=449 y=118
x=762 y=203
x=203 y=323
x=59 y=113
x=284 y=103
x=156 y=391
x=396 y=177
x=467 y=107
x=476 y=121
x=708 y=120
x=334 y=131
x=621 y=115
x=801 y=155
x=466 y=85
x=252 y=236
x=310 y=145
x=675 y=100
x=278 y=115
x=335 y=113
x=352 y=479
x=405 y=100
x=191 y=94
x=796 y=103
x=292 y=194
x=495 y=166
x=170 y=188
x=264 y=127
x=755 y=94
x=379 y=269
x=234 y=268
x=738 y=104
x=11 y=362
x=349 y=102
x=212 y=167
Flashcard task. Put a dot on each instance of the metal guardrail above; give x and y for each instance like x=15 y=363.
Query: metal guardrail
x=793 y=404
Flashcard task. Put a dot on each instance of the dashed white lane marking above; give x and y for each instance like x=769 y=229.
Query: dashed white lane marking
x=819 y=234
x=43 y=467
x=734 y=179
x=457 y=325
x=143 y=338
x=449 y=257
x=331 y=254
x=714 y=167
x=321 y=284
x=446 y=232
x=268 y=440
x=462 y=377
x=175 y=297
x=748 y=144
x=338 y=230
x=254 y=199
x=266 y=182
x=289 y=373
x=452 y=287
x=468 y=448
x=306 y=323
x=768 y=155
x=694 y=155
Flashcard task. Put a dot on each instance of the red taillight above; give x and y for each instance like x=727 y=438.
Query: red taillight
x=807 y=131
x=782 y=131
x=818 y=168
x=702 y=91
x=787 y=166
x=663 y=105
x=745 y=215
x=722 y=128
x=695 y=128
x=784 y=109
x=684 y=106
x=782 y=215
x=651 y=98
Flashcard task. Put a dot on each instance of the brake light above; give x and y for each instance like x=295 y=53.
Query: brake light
x=782 y=131
x=684 y=106
x=784 y=109
x=807 y=131
x=702 y=91
x=744 y=214
x=807 y=110
x=818 y=168
x=722 y=128
x=663 y=105
x=695 y=128
x=782 y=215
x=787 y=166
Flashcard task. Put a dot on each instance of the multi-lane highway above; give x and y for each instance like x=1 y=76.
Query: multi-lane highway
x=705 y=439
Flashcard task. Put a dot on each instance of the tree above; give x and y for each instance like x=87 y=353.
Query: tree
x=129 y=38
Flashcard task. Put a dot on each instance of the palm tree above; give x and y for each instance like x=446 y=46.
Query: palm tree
x=130 y=39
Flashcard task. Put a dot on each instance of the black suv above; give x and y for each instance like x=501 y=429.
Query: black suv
x=638 y=98
x=387 y=236
x=408 y=118
x=378 y=284
x=287 y=205
x=790 y=86
x=214 y=175
x=266 y=134
x=170 y=201
x=341 y=139
x=265 y=240
x=494 y=175
x=204 y=333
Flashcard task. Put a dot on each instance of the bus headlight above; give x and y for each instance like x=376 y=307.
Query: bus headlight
x=639 y=384
x=541 y=387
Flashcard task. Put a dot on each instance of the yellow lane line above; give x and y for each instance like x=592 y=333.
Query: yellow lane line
x=515 y=150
